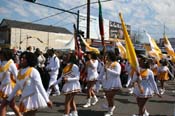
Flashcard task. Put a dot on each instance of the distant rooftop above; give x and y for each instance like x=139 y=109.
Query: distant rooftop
x=27 y=25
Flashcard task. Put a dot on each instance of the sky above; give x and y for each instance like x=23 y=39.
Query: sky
x=153 y=16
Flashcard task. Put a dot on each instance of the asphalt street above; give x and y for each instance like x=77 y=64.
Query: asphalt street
x=125 y=104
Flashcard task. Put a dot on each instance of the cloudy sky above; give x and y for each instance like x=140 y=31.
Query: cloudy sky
x=154 y=16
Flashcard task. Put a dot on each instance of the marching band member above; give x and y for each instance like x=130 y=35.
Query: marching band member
x=33 y=95
x=100 y=70
x=146 y=80
x=70 y=77
x=163 y=72
x=92 y=75
x=130 y=71
x=112 y=82
x=8 y=76
x=154 y=68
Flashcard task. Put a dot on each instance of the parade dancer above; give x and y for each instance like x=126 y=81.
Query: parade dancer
x=92 y=74
x=70 y=76
x=154 y=67
x=8 y=76
x=146 y=80
x=163 y=72
x=112 y=82
x=33 y=94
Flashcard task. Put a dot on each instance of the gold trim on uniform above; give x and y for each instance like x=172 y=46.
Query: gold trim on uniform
x=163 y=76
x=3 y=69
x=144 y=73
x=67 y=68
x=26 y=74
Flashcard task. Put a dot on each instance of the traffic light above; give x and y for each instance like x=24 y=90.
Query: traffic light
x=30 y=0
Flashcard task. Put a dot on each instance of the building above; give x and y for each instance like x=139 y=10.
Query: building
x=112 y=29
x=22 y=34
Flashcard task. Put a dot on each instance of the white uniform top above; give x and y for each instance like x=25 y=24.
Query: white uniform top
x=128 y=67
x=41 y=61
x=163 y=69
x=92 y=73
x=148 y=83
x=53 y=64
x=5 y=85
x=72 y=84
x=32 y=90
x=100 y=70
x=112 y=77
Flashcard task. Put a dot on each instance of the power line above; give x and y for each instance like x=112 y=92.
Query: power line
x=60 y=20
x=64 y=11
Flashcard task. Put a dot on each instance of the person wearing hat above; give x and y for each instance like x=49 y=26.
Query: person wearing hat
x=145 y=78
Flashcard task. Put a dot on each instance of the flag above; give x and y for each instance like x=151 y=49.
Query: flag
x=122 y=49
x=91 y=49
x=78 y=50
x=168 y=46
x=101 y=26
x=155 y=50
x=130 y=51
x=169 y=49
x=70 y=44
x=149 y=51
x=147 y=48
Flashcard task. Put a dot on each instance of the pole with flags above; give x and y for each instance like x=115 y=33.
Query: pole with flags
x=155 y=50
x=101 y=26
x=89 y=48
x=78 y=50
x=122 y=49
x=130 y=51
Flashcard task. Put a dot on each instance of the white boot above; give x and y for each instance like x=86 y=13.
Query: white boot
x=162 y=91
x=49 y=91
x=135 y=115
x=95 y=100
x=131 y=90
x=65 y=115
x=74 y=113
x=146 y=113
x=113 y=108
x=88 y=104
x=110 y=112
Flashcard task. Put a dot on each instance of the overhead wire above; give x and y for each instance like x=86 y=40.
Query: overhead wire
x=68 y=10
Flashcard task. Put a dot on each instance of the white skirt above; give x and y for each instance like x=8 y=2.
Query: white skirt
x=148 y=90
x=32 y=102
x=71 y=87
x=91 y=78
x=111 y=84
x=5 y=91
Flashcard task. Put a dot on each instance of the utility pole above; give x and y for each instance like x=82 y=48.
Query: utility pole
x=88 y=20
